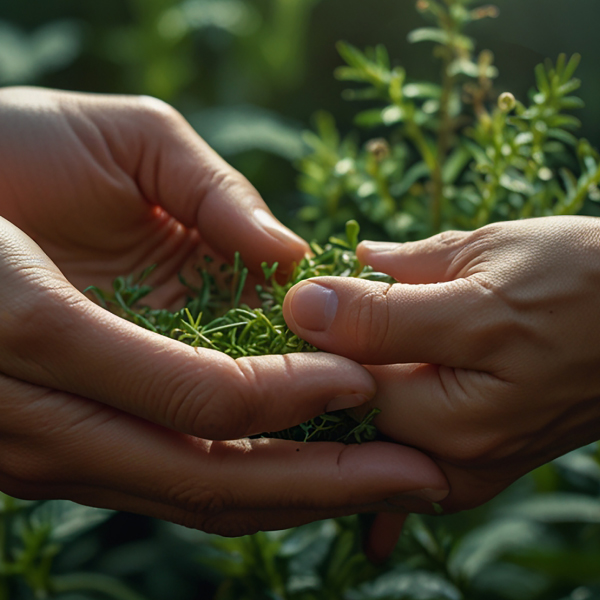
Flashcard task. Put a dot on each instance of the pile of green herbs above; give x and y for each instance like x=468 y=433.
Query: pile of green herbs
x=215 y=318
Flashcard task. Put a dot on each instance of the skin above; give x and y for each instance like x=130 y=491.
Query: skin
x=485 y=352
x=99 y=411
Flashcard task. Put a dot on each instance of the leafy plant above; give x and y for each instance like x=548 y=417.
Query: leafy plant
x=458 y=155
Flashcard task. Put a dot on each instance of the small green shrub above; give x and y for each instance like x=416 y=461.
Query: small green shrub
x=457 y=155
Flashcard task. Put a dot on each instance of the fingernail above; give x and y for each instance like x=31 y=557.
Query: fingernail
x=314 y=307
x=275 y=229
x=380 y=247
x=428 y=495
x=346 y=402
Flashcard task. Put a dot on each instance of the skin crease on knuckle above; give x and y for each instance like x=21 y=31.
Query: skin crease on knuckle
x=368 y=320
x=211 y=405
x=235 y=406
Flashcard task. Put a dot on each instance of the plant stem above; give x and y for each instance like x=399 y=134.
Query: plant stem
x=443 y=144
x=94 y=582
x=4 y=591
x=576 y=202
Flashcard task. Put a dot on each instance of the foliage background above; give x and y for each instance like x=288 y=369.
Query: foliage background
x=249 y=75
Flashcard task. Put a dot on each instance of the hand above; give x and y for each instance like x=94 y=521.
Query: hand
x=489 y=346
x=97 y=410
x=108 y=185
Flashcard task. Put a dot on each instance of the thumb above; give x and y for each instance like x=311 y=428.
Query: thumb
x=177 y=170
x=451 y=323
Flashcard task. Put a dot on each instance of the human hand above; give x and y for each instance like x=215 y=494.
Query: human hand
x=489 y=347
x=108 y=185
x=97 y=410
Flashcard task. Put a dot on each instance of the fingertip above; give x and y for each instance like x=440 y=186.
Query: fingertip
x=282 y=234
x=383 y=536
x=368 y=248
x=343 y=373
x=312 y=306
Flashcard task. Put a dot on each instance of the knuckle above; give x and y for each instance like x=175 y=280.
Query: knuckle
x=186 y=409
x=26 y=473
x=39 y=318
x=224 y=179
x=219 y=407
x=158 y=110
x=369 y=320
x=449 y=239
x=227 y=411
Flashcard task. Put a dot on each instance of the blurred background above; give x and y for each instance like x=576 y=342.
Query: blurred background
x=249 y=74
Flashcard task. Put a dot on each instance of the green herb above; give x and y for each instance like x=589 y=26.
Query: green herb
x=214 y=318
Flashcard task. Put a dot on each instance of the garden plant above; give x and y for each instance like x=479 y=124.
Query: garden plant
x=428 y=156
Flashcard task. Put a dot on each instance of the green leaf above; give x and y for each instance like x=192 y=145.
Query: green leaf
x=417 y=585
x=563 y=136
x=560 y=507
x=375 y=117
x=509 y=582
x=456 y=164
x=571 y=67
x=429 y=34
x=571 y=103
x=352 y=233
x=422 y=90
x=490 y=542
x=580 y=462
x=568 y=565
x=515 y=181
x=352 y=55
x=67 y=520
x=542 y=79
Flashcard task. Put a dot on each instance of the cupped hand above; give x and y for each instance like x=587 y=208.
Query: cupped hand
x=109 y=185
x=487 y=351
x=97 y=410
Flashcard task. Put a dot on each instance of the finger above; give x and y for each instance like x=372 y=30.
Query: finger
x=456 y=323
x=57 y=338
x=175 y=169
x=192 y=390
x=464 y=420
x=383 y=536
x=426 y=261
x=64 y=441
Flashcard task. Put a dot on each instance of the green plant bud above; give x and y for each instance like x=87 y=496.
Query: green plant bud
x=485 y=12
x=379 y=148
x=507 y=102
